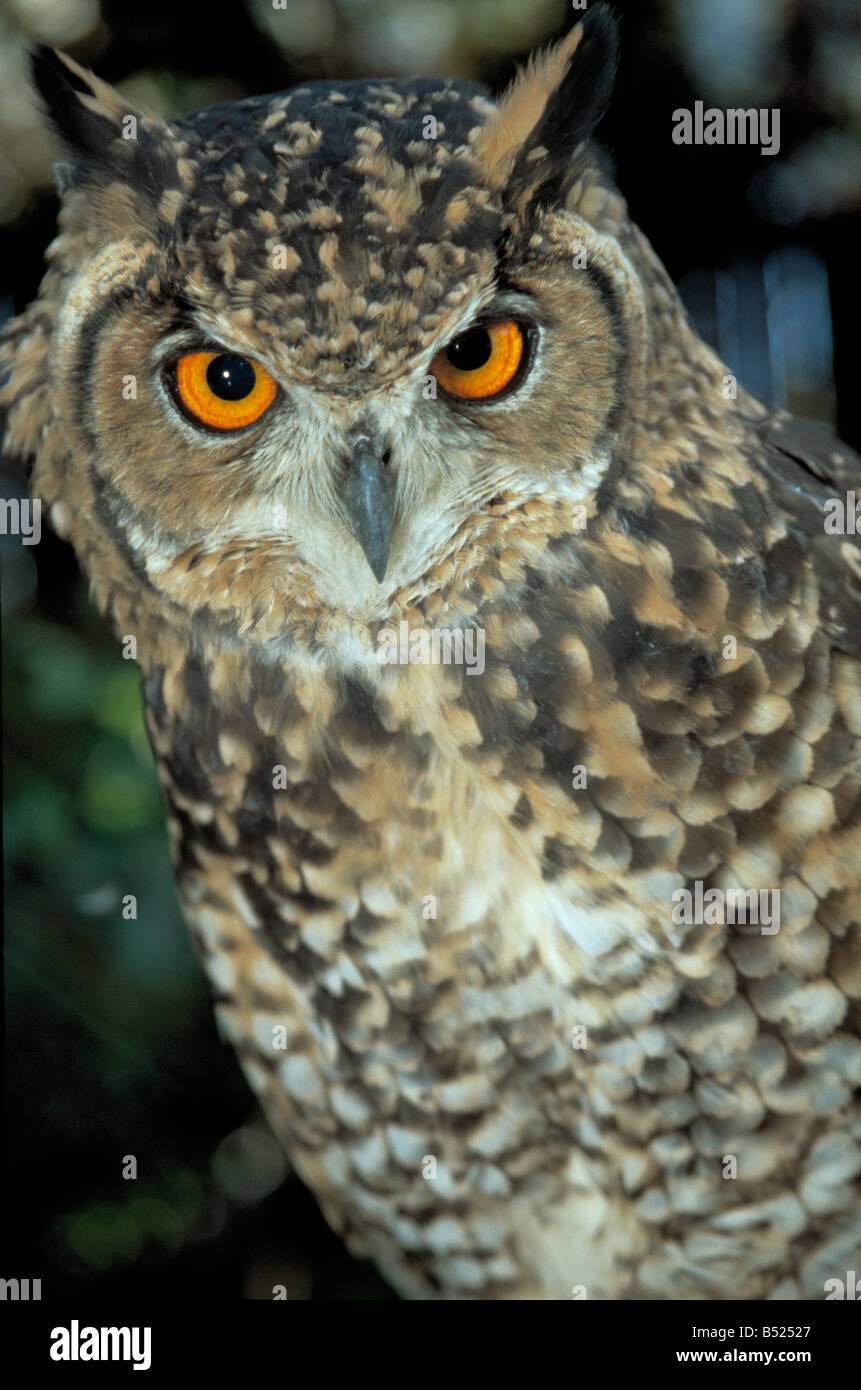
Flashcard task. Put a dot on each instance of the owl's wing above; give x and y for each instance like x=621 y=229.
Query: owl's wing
x=807 y=467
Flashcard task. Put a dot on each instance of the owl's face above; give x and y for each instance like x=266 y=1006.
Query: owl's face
x=313 y=355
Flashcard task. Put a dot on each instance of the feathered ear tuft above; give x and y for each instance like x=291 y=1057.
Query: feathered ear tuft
x=85 y=112
x=108 y=141
x=551 y=107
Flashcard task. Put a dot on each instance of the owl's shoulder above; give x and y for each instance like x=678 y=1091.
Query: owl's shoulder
x=814 y=480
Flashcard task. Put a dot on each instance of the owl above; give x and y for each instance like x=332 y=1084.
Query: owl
x=502 y=670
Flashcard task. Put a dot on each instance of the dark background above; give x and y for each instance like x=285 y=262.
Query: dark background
x=111 y=1045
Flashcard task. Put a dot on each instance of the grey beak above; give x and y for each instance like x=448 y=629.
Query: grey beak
x=369 y=499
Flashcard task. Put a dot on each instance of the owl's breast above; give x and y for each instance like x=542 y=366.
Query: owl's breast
x=479 y=1053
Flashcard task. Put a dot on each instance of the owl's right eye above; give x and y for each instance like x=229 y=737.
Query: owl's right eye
x=221 y=389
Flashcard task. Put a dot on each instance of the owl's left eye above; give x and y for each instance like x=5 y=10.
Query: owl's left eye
x=222 y=390
x=483 y=362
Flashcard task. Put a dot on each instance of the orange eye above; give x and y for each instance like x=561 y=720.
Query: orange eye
x=481 y=362
x=223 y=390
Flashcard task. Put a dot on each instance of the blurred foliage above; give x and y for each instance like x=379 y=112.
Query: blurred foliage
x=111 y=1044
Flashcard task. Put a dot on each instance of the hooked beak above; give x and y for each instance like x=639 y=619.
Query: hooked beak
x=369 y=499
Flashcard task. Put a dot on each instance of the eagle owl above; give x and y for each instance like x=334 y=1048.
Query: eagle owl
x=498 y=662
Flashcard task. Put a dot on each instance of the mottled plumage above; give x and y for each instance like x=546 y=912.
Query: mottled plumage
x=422 y=898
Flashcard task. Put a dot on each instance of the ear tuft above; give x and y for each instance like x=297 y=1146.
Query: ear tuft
x=128 y=159
x=554 y=103
x=84 y=111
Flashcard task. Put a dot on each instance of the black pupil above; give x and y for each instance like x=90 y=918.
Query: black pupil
x=230 y=378
x=471 y=351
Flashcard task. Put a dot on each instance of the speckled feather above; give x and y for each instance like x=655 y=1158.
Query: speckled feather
x=450 y=1038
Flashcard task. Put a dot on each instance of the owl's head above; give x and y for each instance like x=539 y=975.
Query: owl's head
x=320 y=354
